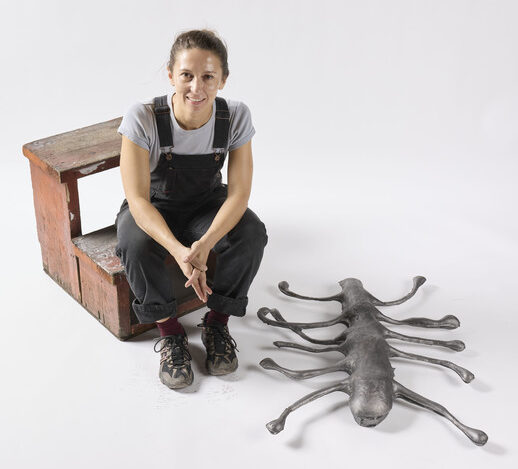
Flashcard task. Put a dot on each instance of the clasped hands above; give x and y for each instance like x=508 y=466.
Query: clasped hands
x=193 y=262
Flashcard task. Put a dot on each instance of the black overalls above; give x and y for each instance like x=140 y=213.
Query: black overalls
x=188 y=192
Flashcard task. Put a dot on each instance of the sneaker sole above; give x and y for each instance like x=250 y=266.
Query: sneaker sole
x=179 y=385
x=221 y=372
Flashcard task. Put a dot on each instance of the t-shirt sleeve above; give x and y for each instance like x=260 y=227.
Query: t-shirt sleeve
x=136 y=125
x=241 y=128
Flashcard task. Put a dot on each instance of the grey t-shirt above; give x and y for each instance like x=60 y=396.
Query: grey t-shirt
x=139 y=125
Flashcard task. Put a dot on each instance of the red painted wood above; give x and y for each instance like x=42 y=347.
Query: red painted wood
x=99 y=247
x=78 y=153
x=52 y=203
x=101 y=300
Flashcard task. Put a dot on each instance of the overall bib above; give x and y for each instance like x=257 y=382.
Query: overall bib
x=187 y=190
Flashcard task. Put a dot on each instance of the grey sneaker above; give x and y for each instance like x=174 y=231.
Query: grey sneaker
x=220 y=346
x=175 y=361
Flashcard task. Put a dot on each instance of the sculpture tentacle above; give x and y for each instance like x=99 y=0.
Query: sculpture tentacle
x=447 y=322
x=284 y=287
x=277 y=425
x=281 y=322
x=337 y=340
x=269 y=364
x=476 y=436
x=466 y=375
x=418 y=281
x=282 y=344
x=456 y=345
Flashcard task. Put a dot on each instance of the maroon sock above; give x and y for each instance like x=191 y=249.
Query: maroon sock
x=170 y=327
x=214 y=316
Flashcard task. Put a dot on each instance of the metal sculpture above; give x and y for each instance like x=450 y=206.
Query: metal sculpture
x=370 y=385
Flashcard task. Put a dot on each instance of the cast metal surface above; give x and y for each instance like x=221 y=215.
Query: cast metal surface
x=370 y=385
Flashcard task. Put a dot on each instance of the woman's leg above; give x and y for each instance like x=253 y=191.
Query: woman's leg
x=143 y=259
x=239 y=255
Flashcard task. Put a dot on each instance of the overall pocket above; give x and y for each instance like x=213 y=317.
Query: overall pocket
x=195 y=175
x=187 y=177
x=193 y=182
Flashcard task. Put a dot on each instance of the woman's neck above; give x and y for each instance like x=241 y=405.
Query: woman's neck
x=187 y=120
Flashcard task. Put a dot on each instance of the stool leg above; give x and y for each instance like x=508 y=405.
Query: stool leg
x=58 y=220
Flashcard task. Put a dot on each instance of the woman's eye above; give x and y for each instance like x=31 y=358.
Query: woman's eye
x=189 y=76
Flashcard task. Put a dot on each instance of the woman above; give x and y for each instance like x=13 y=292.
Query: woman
x=173 y=148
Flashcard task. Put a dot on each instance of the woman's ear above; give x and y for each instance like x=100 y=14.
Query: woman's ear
x=222 y=84
x=170 y=75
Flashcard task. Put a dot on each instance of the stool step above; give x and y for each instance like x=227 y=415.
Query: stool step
x=97 y=251
x=99 y=247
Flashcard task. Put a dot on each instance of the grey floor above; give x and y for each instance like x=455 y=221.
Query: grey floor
x=366 y=189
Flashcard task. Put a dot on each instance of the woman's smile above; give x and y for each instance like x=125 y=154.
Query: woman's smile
x=196 y=101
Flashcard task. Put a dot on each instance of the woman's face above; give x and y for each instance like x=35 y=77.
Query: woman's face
x=197 y=76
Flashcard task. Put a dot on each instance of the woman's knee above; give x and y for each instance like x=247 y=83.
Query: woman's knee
x=134 y=242
x=251 y=231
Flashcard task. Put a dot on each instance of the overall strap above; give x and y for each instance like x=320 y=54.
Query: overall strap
x=221 y=126
x=163 y=123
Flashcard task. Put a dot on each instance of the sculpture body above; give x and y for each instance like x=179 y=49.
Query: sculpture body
x=370 y=385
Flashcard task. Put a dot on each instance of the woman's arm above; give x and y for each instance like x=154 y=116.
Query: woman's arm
x=136 y=181
x=240 y=168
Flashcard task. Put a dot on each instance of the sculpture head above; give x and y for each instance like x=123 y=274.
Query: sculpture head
x=371 y=400
x=350 y=283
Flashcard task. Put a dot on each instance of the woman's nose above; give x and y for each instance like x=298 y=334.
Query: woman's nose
x=196 y=85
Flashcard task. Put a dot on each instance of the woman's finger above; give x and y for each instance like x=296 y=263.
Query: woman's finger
x=199 y=292
x=192 y=254
x=191 y=259
x=202 y=292
x=188 y=258
x=203 y=284
x=193 y=278
x=198 y=265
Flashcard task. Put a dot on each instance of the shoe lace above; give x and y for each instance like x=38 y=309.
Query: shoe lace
x=174 y=345
x=222 y=338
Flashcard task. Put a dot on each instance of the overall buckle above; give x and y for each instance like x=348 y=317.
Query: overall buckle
x=167 y=152
x=218 y=153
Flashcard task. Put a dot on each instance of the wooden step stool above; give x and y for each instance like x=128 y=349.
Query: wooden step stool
x=86 y=265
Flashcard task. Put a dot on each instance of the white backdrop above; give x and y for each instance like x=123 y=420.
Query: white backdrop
x=385 y=148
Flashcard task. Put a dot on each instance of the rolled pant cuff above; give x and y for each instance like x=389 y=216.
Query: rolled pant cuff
x=152 y=313
x=227 y=305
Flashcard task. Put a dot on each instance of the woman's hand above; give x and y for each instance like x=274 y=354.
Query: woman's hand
x=202 y=281
x=194 y=271
x=198 y=255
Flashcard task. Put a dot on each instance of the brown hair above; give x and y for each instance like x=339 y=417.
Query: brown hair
x=201 y=39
